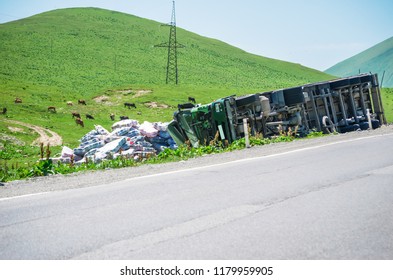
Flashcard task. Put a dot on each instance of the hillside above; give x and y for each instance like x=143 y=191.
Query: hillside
x=376 y=59
x=84 y=49
x=108 y=58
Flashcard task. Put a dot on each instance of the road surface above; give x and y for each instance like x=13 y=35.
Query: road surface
x=332 y=201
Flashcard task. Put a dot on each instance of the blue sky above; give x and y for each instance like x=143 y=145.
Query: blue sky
x=316 y=34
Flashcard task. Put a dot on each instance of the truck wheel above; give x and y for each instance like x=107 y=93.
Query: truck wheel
x=375 y=124
x=364 y=126
x=349 y=128
x=328 y=125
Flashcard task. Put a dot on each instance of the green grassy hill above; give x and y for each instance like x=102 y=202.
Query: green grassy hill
x=108 y=58
x=376 y=59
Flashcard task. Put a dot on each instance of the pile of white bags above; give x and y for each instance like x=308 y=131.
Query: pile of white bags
x=128 y=139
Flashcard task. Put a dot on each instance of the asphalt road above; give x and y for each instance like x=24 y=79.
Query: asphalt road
x=331 y=201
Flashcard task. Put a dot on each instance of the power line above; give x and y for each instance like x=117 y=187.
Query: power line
x=172 y=74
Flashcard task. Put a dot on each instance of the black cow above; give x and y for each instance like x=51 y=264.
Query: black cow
x=129 y=105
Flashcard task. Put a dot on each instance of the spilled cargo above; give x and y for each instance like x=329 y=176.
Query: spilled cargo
x=128 y=139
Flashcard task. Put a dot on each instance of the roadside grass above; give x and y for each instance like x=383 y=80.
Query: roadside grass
x=45 y=166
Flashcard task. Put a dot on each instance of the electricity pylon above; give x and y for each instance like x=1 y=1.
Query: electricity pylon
x=172 y=75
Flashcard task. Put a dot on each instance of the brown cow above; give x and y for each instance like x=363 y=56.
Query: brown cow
x=76 y=114
x=18 y=100
x=81 y=101
x=52 y=109
x=69 y=103
x=79 y=121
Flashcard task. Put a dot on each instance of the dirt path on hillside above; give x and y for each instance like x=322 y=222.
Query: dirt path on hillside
x=46 y=135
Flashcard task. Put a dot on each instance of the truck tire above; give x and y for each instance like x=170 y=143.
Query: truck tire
x=364 y=126
x=375 y=124
x=328 y=125
x=246 y=100
x=349 y=128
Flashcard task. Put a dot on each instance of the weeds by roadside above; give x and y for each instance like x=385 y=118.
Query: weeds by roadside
x=45 y=166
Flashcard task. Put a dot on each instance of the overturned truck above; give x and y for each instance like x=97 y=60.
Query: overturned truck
x=340 y=105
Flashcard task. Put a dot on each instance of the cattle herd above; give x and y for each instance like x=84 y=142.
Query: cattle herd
x=77 y=116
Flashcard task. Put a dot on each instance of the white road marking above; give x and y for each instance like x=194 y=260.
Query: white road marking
x=22 y=196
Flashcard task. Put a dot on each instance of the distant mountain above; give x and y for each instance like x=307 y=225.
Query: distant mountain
x=377 y=59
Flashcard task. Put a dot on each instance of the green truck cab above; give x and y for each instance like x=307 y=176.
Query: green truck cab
x=220 y=120
x=200 y=124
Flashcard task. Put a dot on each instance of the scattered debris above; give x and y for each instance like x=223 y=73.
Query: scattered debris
x=128 y=139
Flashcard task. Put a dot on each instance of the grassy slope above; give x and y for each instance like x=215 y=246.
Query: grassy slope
x=77 y=53
x=376 y=59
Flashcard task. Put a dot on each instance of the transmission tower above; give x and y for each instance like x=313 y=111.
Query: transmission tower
x=172 y=45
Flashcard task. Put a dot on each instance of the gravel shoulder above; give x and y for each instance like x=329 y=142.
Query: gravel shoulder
x=61 y=182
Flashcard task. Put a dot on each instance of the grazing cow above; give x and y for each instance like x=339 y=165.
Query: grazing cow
x=191 y=99
x=79 y=121
x=129 y=105
x=124 y=118
x=112 y=116
x=88 y=116
x=69 y=103
x=4 y=111
x=18 y=100
x=83 y=102
x=75 y=114
x=52 y=109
